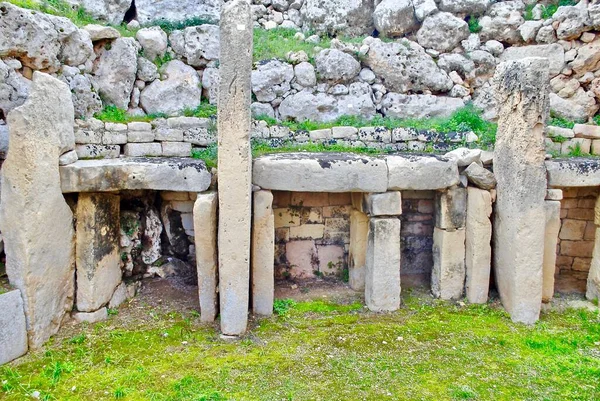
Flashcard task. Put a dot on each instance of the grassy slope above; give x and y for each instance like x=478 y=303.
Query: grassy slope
x=426 y=351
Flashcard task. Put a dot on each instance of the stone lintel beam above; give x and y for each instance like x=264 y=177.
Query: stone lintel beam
x=573 y=173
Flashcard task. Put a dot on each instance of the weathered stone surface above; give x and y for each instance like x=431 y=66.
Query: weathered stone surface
x=550 y=241
x=451 y=208
x=38 y=264
x=579 y=107
x=112 y=11
x=198 y=44
x=170 y=174
x=263 y=253
x=335 y=65
x=464 y=156
x=320 y=172
x=382 y=271
x=97 y=255
x=352 y=17
x=404 y=66
x=115 y=73
x=448 y=274
x=442 y=32
x=573 y=172
x=480 y=177
x=553 y=52
x=85 y=100
x=205 y=222
x=99 y=32
x=593 y=281
x=153 y=40
x=469 y=7
x=13 y=329
x=521 y=88
x=91 y=317
x=235 y=165
x=588 y=58
x=152 y=149
x=478 y=247
x=14 y=88
x=271 y=79
x=93 y=151
x=357 y=254
x=176 y=10
x=502 y=21
x=181 y=89
x=383 y=204
x=419 y=106
x=395 y=17
x=420 y=172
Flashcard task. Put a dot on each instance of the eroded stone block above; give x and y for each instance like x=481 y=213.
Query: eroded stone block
x=451 y=208
x=383 y=204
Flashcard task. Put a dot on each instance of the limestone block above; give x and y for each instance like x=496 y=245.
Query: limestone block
x=167 y=174
x=554 y=194
x=521 y=88
x=92 y=151
x=119 y=296
x=382 y=271
x=478 y=247
x=140 y=136
x=68 y=158
x=235 y=165
x=480 y=177
x=205 y=222
x=448 y=275
x=36 y=222
x=143 y=149
x=593 y=281
x=114 y=137
x=357 y=254
x=302 y=257
x=550 y=241
x=420 y=172
x=307 y=231
x=263 y=253
x=320 y=172
x=13 y=330
x=451 y=208
x=573 y=172
x=384 y=204
x=91 y=317
x=176 y=149
x=97 y=256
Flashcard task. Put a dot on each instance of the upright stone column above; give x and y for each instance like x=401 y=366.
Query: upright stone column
x=478 y=245
x=550 y=240
x=263 y=254
x=97 y=255
x=357 y=253
x=520 y=215
x=235 y=165
x=35 y=220
x=448 y=274
x=593 y=281
x=205 y=227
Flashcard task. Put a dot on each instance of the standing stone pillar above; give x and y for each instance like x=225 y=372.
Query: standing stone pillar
x=382 y=271
x=35 y=220
x=357 y=252
x=520 y=215
x=478 y=245
x=593 y=281
x=263 y=254
x=550 y=240
x=97 y=255
x=235 y=165
x=448 y=274
x=205 y=228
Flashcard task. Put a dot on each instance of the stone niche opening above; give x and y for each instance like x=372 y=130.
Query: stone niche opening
x=313 y=234
x=575 y=239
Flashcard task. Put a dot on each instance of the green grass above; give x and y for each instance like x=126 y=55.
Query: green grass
x=474 y=25
x=160 y=61
x=560 y=122
x=576 y=151
x=113 y=114
x=548 y=10
x=276 y=43
x=322 y=351
x=205 y=110
x=596 y=119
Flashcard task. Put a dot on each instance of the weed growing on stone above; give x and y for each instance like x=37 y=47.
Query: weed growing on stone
x=205 y=110
x=548 y=10
x=560 y=122
x=474 y=25
x=208 y=155
x=170 y=26
x=276 y=43
x=113 y=114
x=160 y=61
x=576 y=151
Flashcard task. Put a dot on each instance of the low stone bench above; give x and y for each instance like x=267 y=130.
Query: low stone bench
x=156 y=173
x=576 y=172
x=343 y=172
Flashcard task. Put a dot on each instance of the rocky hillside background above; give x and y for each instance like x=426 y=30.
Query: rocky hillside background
x=315 y=60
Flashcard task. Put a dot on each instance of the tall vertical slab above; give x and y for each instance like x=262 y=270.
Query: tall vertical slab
x=550 y=240
x=205 y=227
x=478 y=245
x=357 y=253
x=448 y=274
x=593 y=281
x=35 y=220
x=521 y=88
x=235 y=165
x=263 y=253
x=382 y=273
x=97 y=256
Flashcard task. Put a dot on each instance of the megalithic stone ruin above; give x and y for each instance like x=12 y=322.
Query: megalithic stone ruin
x=235 y=165
x=520 y=215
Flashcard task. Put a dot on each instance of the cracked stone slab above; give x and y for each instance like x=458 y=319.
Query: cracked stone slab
x=161 y=174
x=575 y=172
x=421 y=172
x=321 y=172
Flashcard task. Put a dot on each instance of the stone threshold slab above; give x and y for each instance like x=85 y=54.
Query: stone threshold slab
x=348 y=172
x=155 y=173
x=576 y=172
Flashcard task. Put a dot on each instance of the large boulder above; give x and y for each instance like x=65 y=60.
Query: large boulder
x=112 y=11
x=13 y=88
x=442 y=32
x=336 y=65
x=116 y=70
x=177 y=10
x=153 y=40
x=39 y=262
x=404 y=66
x=419 y=106
x=467 y=7
x=553 y=52
x=271 y=79
x=395 y=17
x=572 y=21
x=351 y=17
x=588 y=59
x=578 y=107
x=502 y=22
x=41 y=41
x=179 y=89
x=198 y=44
x=85 y=99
